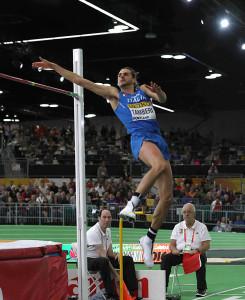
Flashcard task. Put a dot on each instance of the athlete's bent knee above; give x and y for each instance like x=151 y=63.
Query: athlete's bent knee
x=160 y=168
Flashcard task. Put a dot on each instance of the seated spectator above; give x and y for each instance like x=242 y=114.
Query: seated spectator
x=100 y=189
x=218 y=227
x=89 y=183
x=102 y=172
x=96 y=199
x=111 y=199
x=237 y=202
x=55 y=161
x=212 y=171
x=119 y=199
x=216 y=205
x=71 y=184
x=226 y=202
x=40 y=198
x=224 y=224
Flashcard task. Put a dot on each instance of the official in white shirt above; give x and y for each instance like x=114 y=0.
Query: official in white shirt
x=102 y=258
x=189 y=236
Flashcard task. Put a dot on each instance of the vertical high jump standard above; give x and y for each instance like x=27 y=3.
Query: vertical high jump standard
x=121 y=257
x=81 y=216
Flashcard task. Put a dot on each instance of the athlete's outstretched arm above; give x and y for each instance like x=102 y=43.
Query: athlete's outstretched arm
x=108 y=92
x=155 y=92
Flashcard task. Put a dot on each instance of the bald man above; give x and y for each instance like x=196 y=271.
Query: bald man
x=189 y=236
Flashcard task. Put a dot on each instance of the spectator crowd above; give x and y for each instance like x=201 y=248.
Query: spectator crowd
x=106 y=192
x=41 y=144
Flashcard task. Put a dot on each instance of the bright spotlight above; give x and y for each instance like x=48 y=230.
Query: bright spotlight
x=179 y=56
x=213 y=76
x=167 y=56
x=88 y=116
x=243 y=46
x=224 y=23
x=62 y=79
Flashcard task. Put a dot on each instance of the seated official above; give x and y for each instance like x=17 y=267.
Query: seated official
x=189 y=236
x=101 y=257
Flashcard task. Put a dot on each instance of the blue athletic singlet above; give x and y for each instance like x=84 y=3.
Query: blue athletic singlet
x=137 y=114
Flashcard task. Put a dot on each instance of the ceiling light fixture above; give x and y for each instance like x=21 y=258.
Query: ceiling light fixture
x=100 y=83
x=88 y=116
x=150 y=35
x=109 y=14
x=53 y=105
x=11 y=120
x=167 y=56
x=164 y=108
x=179 y=56
x=121 y=27
x=1 y=92
x=224 y=23
x=213 y=76
x=44 y=105
x=118 y=28
x=217 y=75
x=131 y=27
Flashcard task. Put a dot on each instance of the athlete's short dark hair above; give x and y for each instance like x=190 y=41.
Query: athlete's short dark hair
x=132 y=71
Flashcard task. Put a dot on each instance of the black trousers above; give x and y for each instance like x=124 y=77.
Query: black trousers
x=101 y=264
x=169 y=260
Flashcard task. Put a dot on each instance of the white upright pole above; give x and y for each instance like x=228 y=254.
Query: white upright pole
x=80 y=179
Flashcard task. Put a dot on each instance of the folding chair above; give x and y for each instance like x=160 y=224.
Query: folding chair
x=94 y=289
x=176 y=282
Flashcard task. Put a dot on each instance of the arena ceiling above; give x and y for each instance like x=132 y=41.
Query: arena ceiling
x=164 y=27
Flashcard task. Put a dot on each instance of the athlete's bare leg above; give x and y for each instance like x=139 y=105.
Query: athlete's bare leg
x=160 y=173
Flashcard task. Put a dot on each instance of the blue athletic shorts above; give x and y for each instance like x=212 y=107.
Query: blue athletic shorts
x=137 y=141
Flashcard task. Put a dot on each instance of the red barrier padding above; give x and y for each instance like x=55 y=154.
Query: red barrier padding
x=33 y=273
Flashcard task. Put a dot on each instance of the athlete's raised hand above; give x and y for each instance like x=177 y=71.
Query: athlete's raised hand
x=154 y=87
x=43 y=64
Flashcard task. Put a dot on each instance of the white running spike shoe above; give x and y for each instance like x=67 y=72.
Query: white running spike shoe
x=147 y=246
x=128 y=212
